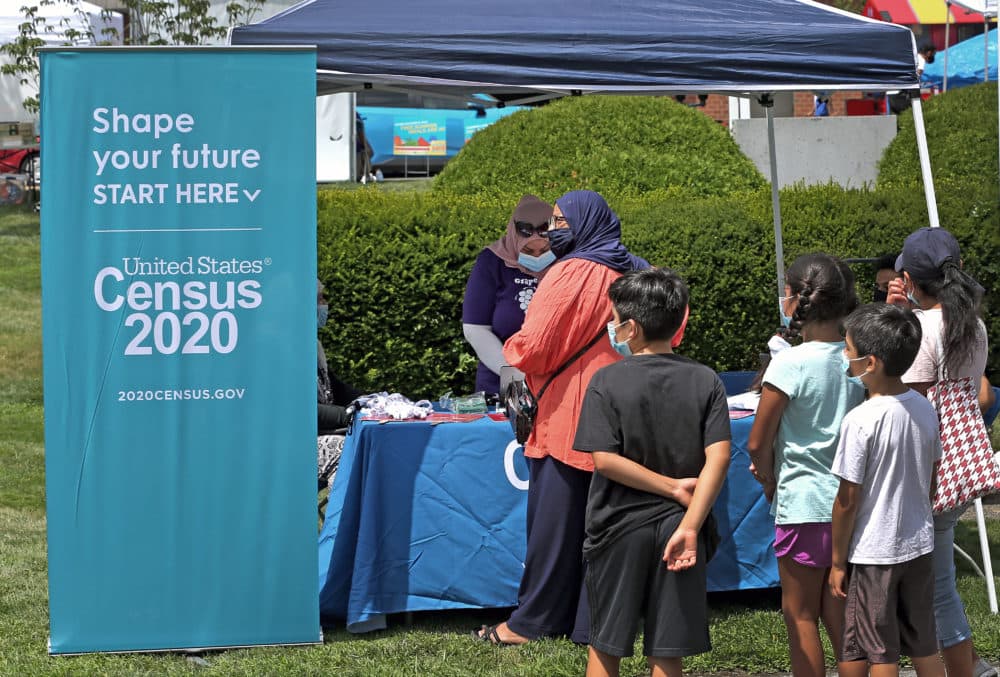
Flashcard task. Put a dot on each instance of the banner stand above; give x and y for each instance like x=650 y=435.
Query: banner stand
x=178 y=311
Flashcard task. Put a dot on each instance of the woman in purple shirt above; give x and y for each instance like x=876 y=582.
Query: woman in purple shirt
x=501 y=285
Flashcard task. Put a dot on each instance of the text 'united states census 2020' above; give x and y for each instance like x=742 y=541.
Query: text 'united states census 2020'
x=194 y=316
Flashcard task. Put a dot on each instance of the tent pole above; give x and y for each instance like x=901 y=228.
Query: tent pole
x=947 y=32
x=779 y=248
x=925 y=161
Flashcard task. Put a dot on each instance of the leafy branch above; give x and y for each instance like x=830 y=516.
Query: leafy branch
x=148 y=22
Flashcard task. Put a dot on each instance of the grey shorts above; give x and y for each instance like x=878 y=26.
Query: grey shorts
x=628 y=581
x=890 y=611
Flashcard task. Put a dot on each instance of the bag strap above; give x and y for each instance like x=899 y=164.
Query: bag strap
x=577 y=355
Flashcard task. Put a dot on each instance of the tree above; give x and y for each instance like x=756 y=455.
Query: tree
x=147 y=22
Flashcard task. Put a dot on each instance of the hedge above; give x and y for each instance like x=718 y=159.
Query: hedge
x=616 y=145
x=396 y=266
x=962 y=141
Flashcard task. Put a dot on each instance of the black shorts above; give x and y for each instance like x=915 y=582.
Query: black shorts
x=890 y=611
x=628 y=581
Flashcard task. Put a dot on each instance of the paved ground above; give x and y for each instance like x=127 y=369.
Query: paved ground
x=991 y=508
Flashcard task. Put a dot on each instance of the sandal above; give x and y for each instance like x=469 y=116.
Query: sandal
x=488 y=633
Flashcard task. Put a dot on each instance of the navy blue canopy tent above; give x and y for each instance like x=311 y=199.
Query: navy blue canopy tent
x=734 y=46
x=549 y=48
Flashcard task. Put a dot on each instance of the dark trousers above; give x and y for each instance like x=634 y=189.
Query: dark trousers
x=552 y=599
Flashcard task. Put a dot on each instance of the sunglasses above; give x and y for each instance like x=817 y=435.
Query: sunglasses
x=526 y=229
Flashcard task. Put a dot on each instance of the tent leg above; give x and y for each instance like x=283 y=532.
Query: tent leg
x=986 y=49
x=984 y=546
x=925 y=161
x=779 y=247
x=947 y=31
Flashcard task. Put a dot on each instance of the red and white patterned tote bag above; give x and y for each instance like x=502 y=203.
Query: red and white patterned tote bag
x=968 y=468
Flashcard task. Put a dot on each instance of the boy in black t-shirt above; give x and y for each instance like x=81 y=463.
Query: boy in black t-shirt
x=649 y=419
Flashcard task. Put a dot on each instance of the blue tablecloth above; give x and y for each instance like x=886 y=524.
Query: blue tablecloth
x=425 y=517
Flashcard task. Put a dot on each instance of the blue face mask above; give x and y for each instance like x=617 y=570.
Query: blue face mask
x=847 y=368
x=322 y=315
x=912 y=299
x=786 y=320
x=536 y=263
x=560 y=241
x=622 y=347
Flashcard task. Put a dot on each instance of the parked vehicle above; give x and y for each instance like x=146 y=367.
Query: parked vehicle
x=22 y=161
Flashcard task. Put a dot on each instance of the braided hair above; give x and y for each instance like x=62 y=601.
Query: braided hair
x=824 y=286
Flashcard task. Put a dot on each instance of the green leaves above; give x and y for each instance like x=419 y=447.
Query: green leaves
x=616 y=145
x=150 y=22
x=396 y=265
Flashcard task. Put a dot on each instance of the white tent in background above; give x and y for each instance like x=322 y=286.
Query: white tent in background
x=59 y=16
x=988 y=9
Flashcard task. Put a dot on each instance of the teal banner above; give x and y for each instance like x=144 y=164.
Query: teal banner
x=179 y=335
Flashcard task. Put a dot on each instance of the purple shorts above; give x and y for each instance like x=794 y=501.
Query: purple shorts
x=809 y=544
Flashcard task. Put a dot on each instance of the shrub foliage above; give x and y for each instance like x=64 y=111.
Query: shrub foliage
x=962 y=142
x=396 y=265
x=616 y=145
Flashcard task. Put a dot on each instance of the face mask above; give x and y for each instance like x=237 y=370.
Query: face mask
x=620 y=348
x=536 y=263
x=786 y=320
x=847 y=368
x=560 y=241
x=322 y=315
x=912 y=299
x=880 y=296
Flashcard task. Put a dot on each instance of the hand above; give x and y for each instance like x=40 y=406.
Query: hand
x=769 y=489
x=897 y=294
x=763 y=478
x=682 y=550
x=684 y=490
x=516 y=374
x=838 y=581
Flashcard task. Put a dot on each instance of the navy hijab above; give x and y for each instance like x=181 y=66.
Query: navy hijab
x=596 y=232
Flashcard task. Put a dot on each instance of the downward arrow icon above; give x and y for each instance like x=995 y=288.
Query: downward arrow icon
x=251 y=196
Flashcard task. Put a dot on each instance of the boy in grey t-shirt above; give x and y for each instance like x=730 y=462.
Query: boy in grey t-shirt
x=886 y=461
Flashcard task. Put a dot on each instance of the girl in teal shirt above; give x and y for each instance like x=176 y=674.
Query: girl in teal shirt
x=806 y=393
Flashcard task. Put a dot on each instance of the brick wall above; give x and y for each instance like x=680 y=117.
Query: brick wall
x=717 y=107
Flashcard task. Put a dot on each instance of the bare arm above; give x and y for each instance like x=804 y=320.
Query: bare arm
x=762 y=435
x=631 y=474
x=682 y=548
x=845 y=512
x=986 y=395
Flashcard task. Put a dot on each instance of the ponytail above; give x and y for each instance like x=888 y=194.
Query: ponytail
x=959 y=296
x=802 y=311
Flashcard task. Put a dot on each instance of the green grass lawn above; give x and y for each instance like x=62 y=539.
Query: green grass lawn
x=747 y=630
